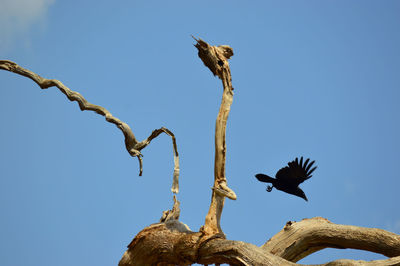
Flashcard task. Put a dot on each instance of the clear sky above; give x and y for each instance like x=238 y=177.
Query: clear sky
x=312 y=78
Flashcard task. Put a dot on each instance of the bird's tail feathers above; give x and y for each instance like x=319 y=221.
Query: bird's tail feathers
x=265 y=178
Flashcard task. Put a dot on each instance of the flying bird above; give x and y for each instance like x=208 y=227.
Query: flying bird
x=289 y=178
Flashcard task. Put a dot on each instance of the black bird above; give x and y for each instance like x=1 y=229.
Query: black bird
x=289 y=177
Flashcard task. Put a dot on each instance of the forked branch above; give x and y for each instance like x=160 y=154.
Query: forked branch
x=132 y=145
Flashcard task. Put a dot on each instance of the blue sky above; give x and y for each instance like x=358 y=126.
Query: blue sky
x=312 y=78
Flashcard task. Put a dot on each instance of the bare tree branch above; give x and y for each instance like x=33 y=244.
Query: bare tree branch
x=300 y=239
x=172 y=243
x=141 y=145
x=216 y=59
x=132 y=145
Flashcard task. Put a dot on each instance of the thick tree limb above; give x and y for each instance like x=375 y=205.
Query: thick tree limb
x=216 y=59
x=300 y=239
x=132 y=145
x=172 y=243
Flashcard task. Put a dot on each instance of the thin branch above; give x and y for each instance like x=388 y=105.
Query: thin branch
x=141 y=145
x=132 y=145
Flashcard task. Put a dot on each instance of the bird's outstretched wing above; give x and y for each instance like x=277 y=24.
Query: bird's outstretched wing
x=296 y=171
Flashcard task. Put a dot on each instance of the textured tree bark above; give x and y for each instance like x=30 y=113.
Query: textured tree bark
x=216 y=59
x=298 y=240
x=171 y=242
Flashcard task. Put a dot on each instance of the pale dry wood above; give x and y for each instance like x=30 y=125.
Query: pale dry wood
x=300 y=239
x=158 y=244
x=172 y=243
x=216 y=59
x=132 y=145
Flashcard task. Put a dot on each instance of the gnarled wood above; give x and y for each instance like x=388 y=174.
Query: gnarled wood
x=300 y=239
x=172 y=243
x=216 y=59
x=132 y=145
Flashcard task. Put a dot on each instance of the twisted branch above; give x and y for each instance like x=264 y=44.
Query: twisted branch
x=132 y=145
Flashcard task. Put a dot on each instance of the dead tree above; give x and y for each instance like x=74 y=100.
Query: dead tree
x=171 y=242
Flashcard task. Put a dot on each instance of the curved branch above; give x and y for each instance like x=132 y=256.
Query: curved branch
x=300 y=239
x=141 y=145
x=132 y=145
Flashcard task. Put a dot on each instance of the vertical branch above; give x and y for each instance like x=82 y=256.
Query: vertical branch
x=216 y=59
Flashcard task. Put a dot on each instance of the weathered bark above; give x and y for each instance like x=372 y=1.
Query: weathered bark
x=300 y=239
x=216 y=59
x=132 y=145
x=172 y=243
